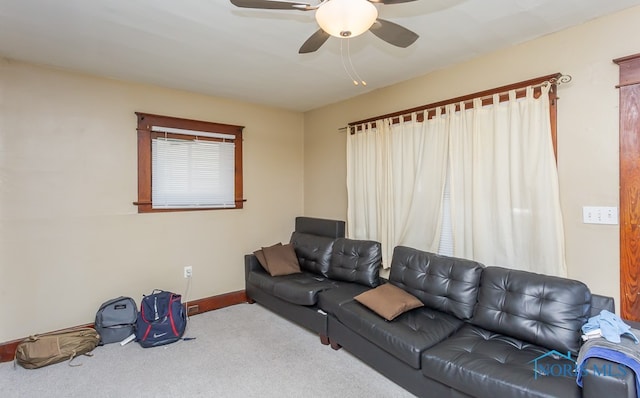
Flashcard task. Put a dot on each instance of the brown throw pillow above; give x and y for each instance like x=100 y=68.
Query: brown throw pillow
x=388 y=301
x=281 y=260
x=260 y=256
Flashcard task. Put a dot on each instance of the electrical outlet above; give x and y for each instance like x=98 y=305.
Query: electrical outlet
x=193 y=309
x=188 y=271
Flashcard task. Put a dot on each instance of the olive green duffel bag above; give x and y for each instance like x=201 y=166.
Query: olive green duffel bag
x=49 y=348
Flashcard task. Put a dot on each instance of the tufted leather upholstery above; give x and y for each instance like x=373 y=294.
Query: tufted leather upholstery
x=540 y=309
x=486 y=364
x=356 y=261
x=479 y=334
x=261 y=279
x=444 y=283
x=348 y=260
x=342 y=292
x=406 y=336
x=301 y=288
x=313 y=251
x=314 y=238
x=604 y=379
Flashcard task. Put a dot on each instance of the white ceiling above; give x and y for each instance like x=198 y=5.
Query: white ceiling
x=212 y=47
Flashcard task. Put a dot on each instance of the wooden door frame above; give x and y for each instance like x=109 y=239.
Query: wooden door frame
x=629 y=91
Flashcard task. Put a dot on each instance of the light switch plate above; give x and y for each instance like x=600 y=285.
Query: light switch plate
x=600 y=215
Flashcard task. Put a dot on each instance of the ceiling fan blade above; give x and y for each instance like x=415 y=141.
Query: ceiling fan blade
x=314 y=42
x=393 y=33
x=271 y=5
x=390 y=1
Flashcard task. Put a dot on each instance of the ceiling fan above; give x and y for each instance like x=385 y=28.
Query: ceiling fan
x=343 y=19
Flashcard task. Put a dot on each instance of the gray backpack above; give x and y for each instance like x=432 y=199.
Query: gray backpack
x=116 y=320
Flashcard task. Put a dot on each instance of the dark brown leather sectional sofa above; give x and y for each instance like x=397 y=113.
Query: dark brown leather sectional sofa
x=482 y=332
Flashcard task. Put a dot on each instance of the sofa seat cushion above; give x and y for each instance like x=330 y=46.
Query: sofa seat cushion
x=301 y=288
x=343 y=292
x=406 y=336
x=481 y=363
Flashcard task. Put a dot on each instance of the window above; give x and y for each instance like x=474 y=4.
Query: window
x=188 y=164
x=472 y=177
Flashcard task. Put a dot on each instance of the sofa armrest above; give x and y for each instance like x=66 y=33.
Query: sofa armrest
x=251 y=264
x=599 y=303
x=603 y=378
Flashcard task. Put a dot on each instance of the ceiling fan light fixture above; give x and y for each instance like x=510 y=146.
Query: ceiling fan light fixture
x=346 y=18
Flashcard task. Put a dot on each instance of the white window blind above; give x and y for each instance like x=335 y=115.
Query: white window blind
x=192 y=173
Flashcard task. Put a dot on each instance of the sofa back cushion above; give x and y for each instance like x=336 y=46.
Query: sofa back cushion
x=320 y=226
x=541 y=309
x=356 y=261
x=447 y=284
x=313 y=251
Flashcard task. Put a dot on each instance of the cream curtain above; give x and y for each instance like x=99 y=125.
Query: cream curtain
x=395 y=178
x=364 y=175
x=504 y=185
x=497 y=165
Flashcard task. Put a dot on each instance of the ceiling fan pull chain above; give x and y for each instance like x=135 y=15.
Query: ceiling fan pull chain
x=353 y=69
x=364 y=83
x=344 y=65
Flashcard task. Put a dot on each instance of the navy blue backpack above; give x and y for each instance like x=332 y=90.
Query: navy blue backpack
x=161 y=320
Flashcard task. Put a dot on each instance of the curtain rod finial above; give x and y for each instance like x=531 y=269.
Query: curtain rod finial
x=560 y=79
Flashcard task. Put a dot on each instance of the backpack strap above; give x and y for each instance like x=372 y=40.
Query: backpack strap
x=74 y=356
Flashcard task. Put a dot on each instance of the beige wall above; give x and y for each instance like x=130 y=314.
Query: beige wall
x=70 y=237
x=588 y=129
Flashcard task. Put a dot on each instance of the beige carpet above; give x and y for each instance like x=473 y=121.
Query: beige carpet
x=239 y=351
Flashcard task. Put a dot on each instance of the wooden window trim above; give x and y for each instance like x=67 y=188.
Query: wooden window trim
x=553 y=79
x=145 y=123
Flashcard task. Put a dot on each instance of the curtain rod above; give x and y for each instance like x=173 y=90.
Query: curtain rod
x=553 y=79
